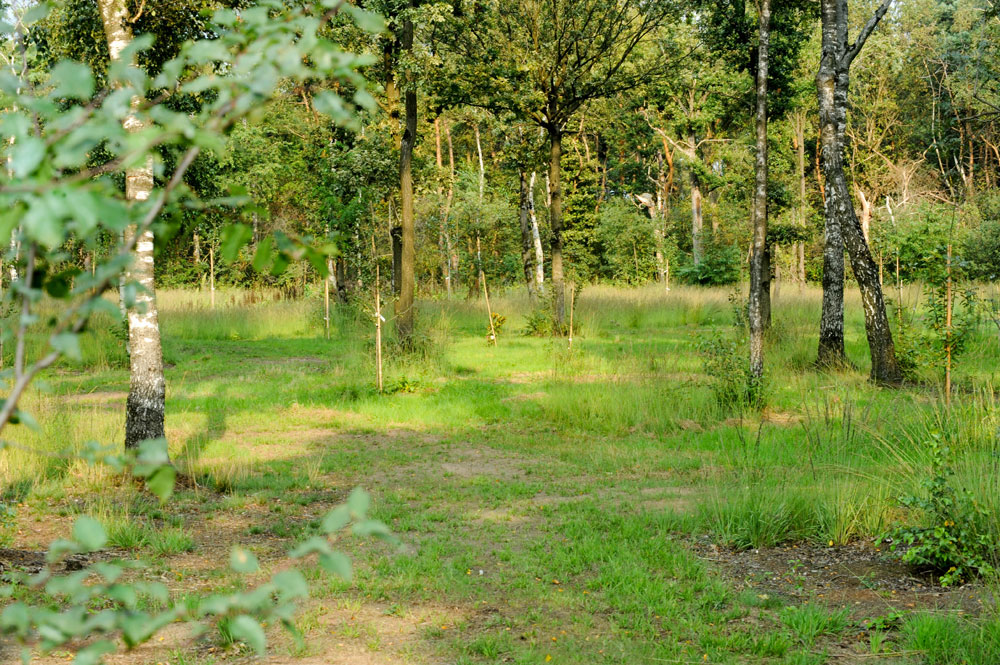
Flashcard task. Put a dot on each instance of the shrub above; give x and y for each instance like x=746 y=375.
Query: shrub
x=734 y=386
x=719 y=266
x=954 y=539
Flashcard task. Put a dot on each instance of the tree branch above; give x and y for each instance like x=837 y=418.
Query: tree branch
x=866 y=31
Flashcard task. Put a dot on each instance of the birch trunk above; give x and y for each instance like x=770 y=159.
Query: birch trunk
x=759 y=263
x=842 y=223
x=536 y=238
x=144 y=410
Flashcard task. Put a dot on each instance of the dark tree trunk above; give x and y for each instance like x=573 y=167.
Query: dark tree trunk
x=843 y=229
x=555 y=222
x=404 y=307
x=527 y=242
x=760 y=268
x=396 y=234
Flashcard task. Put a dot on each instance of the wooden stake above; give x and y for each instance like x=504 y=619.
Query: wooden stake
x=326 y=293
x=486 y=293
x=572 y=301
x=947 y=332
x=899 y=292
x=211 y=272
x=378 y=324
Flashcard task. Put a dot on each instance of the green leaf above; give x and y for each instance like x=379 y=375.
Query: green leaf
x=243 y=561
x=263 y=254
x=35 y=13
x=15 y=619
x=372 y=528
x=314 y=545
x=72 y=80
x=291 y=584
x=67 y=343
x=336 y=563
x=89 y=534
x=359 y=502
x=336 y=519
x=92 y=654
x=246 y=629
x=26 y=154
x=366 y=20
x=233 y=239
x=161 y=482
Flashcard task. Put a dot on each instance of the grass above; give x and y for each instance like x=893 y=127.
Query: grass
x=547 y=500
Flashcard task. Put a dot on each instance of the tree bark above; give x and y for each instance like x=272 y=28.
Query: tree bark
x=527 y=246
x=536 y=238
x=144 y=409
x=843 y=228
x=697 y=218
x=555 y=222
x=800 y=166
x=405 y=304
x=396 y=236
x=759 y=261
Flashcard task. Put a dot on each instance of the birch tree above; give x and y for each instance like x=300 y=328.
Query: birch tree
x=758 y=258
x=144 y=410
x=843 y=228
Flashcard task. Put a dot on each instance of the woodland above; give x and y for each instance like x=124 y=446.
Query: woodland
x=499 y=331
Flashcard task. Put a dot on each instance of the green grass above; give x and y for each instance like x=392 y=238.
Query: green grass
x=574 y=480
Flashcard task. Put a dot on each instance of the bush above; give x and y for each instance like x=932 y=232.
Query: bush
x=719 y=266
x=954 y=539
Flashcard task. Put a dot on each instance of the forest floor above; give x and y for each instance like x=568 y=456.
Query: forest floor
x=593 y=505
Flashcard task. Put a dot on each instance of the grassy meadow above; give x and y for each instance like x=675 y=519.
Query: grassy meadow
x=597 y=504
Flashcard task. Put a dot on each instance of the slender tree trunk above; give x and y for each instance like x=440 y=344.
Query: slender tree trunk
x=759 y=261
x=527 y=247
x=800 y=165
x=396 y=237
x=144 y=409
x=451 y=253
x=211 y=274
x=405 y=304
x=555 y=222
x=843 y=227
x=536 y=238
x=697 y=218
x=482 y=167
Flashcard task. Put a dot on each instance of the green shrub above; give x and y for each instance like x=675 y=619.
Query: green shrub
x=953 y=540
x=727 y=365
x=720 y=265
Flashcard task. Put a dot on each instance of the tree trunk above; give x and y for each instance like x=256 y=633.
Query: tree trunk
x=536 y=238
x=144 y=409
x=697 y=219
x=842 y=224
x=759 y=261
x=555 y=222
x=527 y=246
x=396 y=235
x=800 y=165
x=407 y=288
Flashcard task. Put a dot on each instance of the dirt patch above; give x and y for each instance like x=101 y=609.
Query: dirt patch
x=859 y=577
x=673 y=499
